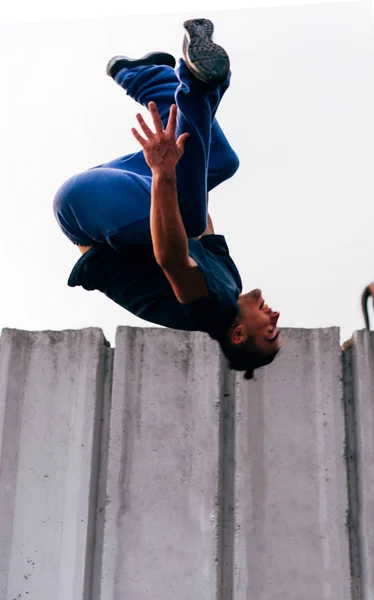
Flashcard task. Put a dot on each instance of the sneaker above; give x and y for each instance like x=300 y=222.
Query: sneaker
x=117 y=63
x=207 y=61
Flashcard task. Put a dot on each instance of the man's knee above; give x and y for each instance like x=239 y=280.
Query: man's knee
x=196 y=228
x=232 y=164
x=225 y=167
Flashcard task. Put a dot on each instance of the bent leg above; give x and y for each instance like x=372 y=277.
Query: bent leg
x=111 y=203
x=197 y=105
x=105 y=206
x=223 y=160
x=159 y=84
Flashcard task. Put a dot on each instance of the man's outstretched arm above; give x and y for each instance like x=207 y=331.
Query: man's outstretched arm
x=162 y=153
x=169 y=238
x=170 y=244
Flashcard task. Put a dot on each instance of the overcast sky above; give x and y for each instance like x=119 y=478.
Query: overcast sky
x=44 y=10
x=299 y=113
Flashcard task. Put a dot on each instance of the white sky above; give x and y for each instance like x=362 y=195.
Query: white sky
x=45 y=10
x=299 y=113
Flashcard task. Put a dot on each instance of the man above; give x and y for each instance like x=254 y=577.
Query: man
x=141 y=221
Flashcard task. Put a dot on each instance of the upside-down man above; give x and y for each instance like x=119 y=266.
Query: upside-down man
x=141 y=222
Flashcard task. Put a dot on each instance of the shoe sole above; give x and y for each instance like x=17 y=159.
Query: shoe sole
x=205 y=59
x=153 y=58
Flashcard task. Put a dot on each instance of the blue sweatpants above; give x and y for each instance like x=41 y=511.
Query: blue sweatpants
x=111 y=203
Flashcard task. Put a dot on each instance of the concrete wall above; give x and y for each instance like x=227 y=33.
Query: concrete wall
x=151 y=471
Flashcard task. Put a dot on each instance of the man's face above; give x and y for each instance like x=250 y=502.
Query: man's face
x=261 y=321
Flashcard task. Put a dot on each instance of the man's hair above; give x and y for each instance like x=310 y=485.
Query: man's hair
x=245 y=356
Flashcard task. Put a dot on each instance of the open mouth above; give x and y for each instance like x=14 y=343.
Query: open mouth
x=275 y=337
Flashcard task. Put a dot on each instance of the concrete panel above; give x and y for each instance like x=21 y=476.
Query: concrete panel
x=363 y=393
x=161 y=519
x=291 y=491
x=51 y=388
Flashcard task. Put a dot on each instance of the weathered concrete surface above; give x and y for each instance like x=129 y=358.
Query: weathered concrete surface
x=51 y=389
x=171 y=477
x=363 y=393
x=161 y=518
x=291 y=540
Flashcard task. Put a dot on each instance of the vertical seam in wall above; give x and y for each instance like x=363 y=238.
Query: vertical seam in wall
x=99 y=475
x=350 y=454
x=226 y=484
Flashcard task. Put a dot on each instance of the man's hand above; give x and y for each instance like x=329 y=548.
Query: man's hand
x=161 y=150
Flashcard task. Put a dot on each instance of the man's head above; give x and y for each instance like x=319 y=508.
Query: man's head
x=253 y=339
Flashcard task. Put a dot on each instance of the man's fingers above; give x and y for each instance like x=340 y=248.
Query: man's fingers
x=148 y=132
x=172 y=122
x=182 y=140
x=138 y=137
x=156 y=117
